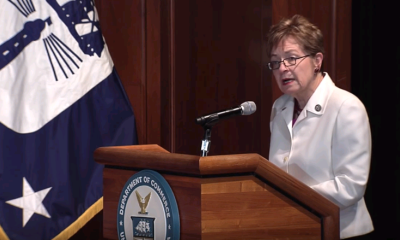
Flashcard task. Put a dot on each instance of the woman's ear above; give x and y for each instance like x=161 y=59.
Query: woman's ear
x=319 y=57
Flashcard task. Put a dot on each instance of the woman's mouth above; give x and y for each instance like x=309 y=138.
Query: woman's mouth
x=287 y=81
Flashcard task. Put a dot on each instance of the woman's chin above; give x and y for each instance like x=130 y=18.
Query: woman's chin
x=289 y=90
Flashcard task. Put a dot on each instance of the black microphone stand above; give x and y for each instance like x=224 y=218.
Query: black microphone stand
x=206 y=142
x=208 y=121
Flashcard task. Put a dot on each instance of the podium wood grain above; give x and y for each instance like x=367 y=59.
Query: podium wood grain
x=247 y=208
x=222 y=197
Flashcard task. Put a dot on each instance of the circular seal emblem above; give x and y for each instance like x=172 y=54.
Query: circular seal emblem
x=147 y=209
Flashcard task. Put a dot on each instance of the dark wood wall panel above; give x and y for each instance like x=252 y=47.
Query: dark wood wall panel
x=123 y=25
x=318 y=13
x=167 y=52
x=267 y=85
x=180 y=59
x=219 y=64
x=343 y=45
x=153 y=71
x=333 y=17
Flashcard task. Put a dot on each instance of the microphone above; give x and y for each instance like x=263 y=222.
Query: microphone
x=245 y=108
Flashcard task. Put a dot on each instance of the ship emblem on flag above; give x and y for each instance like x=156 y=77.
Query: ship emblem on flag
x=143 y=228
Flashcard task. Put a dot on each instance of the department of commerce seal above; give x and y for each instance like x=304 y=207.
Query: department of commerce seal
x=147 y=209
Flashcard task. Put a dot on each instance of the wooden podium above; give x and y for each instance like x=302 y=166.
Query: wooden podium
x=240 y=196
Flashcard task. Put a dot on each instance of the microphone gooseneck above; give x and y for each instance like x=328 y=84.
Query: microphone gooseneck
x=208 y=121
x=245 y=108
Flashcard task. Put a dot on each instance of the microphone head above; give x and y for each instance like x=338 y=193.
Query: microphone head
x=248 y=108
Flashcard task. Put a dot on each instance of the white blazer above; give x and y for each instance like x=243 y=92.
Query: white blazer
x=328 y=148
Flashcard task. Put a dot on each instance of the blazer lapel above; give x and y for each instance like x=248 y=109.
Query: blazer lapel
x=318 y=101
x=287 y=114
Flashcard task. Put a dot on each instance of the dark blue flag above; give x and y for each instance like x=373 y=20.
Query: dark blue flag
x=60 y=99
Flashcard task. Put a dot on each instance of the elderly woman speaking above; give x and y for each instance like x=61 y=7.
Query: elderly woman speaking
x=320 y=134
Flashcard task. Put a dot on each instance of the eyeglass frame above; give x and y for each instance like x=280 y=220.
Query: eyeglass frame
x=286 y=59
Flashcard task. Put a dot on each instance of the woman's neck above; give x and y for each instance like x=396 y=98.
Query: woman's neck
x=303 y=98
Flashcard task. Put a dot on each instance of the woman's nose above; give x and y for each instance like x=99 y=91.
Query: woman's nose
x=282 y=67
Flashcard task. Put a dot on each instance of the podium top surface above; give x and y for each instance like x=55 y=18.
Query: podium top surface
x=154 y=157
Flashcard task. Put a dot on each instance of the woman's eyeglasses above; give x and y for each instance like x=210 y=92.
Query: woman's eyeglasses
x=287 y=62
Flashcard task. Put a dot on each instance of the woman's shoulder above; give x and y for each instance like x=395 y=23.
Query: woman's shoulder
x=341 y=96
x=346 y=102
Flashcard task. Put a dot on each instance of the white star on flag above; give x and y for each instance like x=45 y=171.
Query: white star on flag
x=30 y=202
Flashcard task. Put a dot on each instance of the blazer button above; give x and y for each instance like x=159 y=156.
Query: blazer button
x=285 y=159
x=318 y=107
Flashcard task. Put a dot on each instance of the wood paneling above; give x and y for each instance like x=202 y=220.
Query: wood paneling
x=273 y=183
x=168 y=74
x=180 y=59
x=123 y=25
x=333 y=17
x=153 y=71
x=343 y=45
x=219 y=64
x=246 y=208
x=260 y=202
